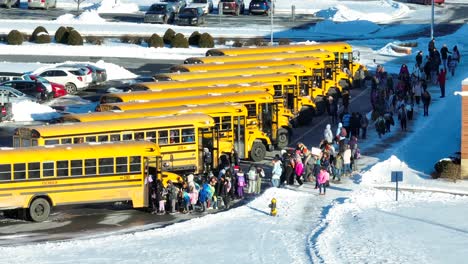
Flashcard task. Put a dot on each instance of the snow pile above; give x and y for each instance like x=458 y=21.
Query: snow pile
x=30 y=111
x=115 y=71
x=383 y=11
x=364 y=229
x=113 y=6
x=380 y=173
x=87 y=17
x=388 y=50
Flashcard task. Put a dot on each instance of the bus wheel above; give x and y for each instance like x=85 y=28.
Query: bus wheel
x=282 y=139
x=320 y=105
x=345 y=84
x=258 y=152
x=39 y=210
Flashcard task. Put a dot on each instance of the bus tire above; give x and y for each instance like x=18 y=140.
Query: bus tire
x=258 y=152
x=345 y=84
x=39 y=210
x=282 y=139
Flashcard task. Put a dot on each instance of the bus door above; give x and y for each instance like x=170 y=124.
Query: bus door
x=208 y=138
x=269 y=119
x=239 y=136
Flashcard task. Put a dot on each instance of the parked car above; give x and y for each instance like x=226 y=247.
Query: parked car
x=206 y=5
x=191 y=16
x=160 y=13
x=9 y=76
x=43 y=4
x=177 y=5
x=94 y=74
x=235 y=7
x=72 y=78
x=57 y=89
x=32 y=88
x=15 y=96
x=10 y=3
x=260 y=7
x=426 y=2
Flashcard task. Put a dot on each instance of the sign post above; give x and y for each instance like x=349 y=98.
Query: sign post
x=396 y=177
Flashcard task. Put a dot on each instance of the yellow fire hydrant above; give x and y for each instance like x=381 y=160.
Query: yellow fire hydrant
x=273 y=207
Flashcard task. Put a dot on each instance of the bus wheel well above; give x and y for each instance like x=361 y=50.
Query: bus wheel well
x=39 y=208
x=345 y=84
x=282 y=139
x=306 y=115
x=320 y=105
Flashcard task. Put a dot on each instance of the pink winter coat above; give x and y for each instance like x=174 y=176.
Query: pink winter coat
x=299 y=169
x=323 y=176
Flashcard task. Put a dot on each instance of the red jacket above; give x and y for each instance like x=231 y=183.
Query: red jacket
x=441 y=77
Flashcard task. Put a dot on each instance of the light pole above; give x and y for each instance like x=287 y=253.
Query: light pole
x=271 y=25
x=432 y=21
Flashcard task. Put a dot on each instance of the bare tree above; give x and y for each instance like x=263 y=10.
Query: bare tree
x=78 y=2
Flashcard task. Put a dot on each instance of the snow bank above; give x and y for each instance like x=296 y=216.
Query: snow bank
x=365 y=230
x=87 y=17
x=352 y=28
x=31 y=111
x=113 y=6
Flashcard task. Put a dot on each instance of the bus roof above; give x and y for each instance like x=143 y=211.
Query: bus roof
x=198 y=120
x=233 y=72
x=318 y=53
x=212 y=110
x=78 y=151
x=228 y=98
x=310 y=62
x=331 y=46
x=183 y=92
x=217 y=81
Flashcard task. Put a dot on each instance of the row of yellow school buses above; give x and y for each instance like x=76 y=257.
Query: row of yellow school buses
x=245 y=100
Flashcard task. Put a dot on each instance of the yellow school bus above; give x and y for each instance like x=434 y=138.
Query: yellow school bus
x=226 y=73
x=284 y=90
x=181 y=92
x=262 y=110
x=181 y=138
x=35 y=179
x=213 y=82
x=343 y=54
x=196 y=61
x=230 y=122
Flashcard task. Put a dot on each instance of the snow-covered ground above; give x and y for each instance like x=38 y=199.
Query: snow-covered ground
x=353 y=223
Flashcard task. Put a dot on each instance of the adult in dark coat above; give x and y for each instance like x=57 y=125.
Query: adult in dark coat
x=289 y=171
x=426 y=99
x=419 y=59
x=355 y=125
x=332 y=109
x=444 y=51
x=345 y=100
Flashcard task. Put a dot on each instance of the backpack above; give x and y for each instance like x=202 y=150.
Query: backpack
x=357 y=153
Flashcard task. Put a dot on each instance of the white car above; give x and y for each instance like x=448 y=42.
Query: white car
x=89 y=73
x=206 y=5
x=74 y=79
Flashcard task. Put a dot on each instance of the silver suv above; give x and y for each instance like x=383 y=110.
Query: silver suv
x=176 y=5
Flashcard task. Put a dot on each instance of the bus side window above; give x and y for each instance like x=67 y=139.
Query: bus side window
x=115 y=137
x=78 y=140
x=328 y=74
x=106 y=166
x=103 y=138
x=51 y=142
x=34 y=170
x=91 y=139
x=5 y=172
x=48 y=168
x=90 y=167
x=188 y=135
x=151 y=136
x=135 y=164
x=20 y=171
x=76 y=167
x=121 y=164
x=66 y=141
x=127 y=137
x=162 y=137
x=140 y=136
x=175 y=137
x=62 y=168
